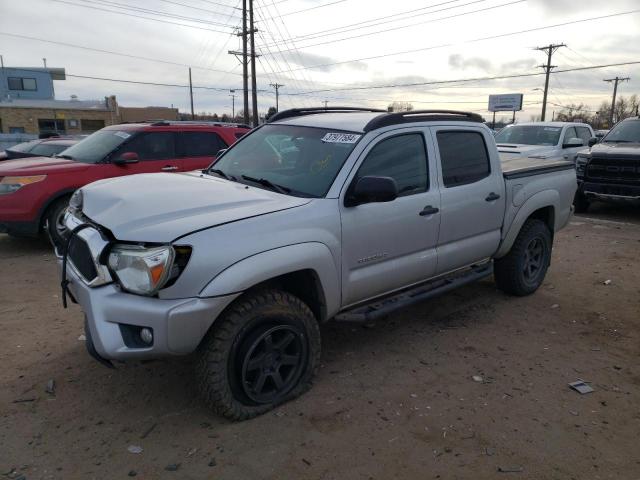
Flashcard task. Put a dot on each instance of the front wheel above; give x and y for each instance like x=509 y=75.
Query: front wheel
x=523 y=269
x=581 y=202
x=55 y=221
x=263 y=351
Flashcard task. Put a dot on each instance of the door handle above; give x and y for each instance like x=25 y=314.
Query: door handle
x=492 y=196
x=169 y=168
x=428 y=210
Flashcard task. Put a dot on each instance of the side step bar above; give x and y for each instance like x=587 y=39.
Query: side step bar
x=372 y=311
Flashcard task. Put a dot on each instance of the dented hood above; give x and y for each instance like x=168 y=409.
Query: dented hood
x=160 y=207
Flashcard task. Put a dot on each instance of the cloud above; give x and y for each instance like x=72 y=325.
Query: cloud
x=524 y=64
x=457 y=61
x=321 y=62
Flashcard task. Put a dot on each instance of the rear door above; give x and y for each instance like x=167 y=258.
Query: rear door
x=387 y=246
x=472 y=198
x=199 y=149
x=156 y=152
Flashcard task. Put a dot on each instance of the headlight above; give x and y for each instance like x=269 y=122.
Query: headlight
x=12 y=184
x=141 y=270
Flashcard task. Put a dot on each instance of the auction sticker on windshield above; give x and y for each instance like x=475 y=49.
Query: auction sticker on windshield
x=341 y=138
x=124 y=135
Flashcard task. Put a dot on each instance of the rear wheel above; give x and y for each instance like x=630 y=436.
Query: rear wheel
x=260 y=353
x=55 y=221
x=523 y=269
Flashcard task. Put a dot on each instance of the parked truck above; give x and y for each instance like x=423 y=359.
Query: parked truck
x=610 y=170
x=330 y=213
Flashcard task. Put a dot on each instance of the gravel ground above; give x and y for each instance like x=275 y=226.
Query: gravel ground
x=393 y=400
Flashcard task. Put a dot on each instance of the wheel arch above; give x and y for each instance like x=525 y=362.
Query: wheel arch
x=542 y=206
x=50 y=201
x=306 y=270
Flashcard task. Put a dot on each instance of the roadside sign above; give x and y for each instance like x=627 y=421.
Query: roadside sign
x=510 y=102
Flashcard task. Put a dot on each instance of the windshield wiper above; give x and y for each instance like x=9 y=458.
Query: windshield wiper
x=66 y=157
x=220 y=173
x=266 y=183
x=618 y=141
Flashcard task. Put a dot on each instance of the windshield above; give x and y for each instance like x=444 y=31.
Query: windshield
x=48 y=149
x=624 y=132
x=24 y=147
x=302 y=161
x=529 y=135
x=96 y=146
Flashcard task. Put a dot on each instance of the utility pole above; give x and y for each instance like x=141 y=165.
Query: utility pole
x=191 y=93
x=325 y=103
x=254 y=92
x=550 y=50
x=615 y=91
x=44 y=62
x=233 y=104
x=277 y=87
x=243 y=56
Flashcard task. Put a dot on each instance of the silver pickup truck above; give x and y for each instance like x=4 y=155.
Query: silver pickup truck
x=344 y=214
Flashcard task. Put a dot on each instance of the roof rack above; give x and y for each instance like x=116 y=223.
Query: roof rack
x=298 y=112
x=420 y=116
x=160 y=123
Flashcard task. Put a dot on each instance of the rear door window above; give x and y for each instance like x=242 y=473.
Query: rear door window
x=463 y=156
x=201 y=144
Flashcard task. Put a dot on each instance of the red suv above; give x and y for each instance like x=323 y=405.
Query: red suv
x=36 y=191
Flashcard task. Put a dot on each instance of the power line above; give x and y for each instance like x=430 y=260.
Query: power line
x=346 y=28
x=198 y=8
x=491 y=37
x=140 y=16
x=353 y=37
x=110 y=52
x=476 y=79
x=306 y=9
x=112 y=4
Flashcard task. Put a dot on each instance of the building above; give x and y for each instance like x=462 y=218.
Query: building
x=28 y=106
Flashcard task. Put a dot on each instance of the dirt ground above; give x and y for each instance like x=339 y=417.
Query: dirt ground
x=395 y=400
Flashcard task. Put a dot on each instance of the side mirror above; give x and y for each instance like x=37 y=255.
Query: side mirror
x=593 y=141
x=220 y=152
x=125 y=158
x=573 y=143
x=372 y=189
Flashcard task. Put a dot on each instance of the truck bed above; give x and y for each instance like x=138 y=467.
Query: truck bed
x=526 y=166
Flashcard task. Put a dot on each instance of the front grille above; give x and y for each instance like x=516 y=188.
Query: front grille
x=80 y=256
x=623 y=170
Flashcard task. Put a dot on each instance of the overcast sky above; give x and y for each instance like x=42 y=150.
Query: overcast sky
x=311 y=45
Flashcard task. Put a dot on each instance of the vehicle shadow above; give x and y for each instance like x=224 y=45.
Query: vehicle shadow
x=18 y=246
x=619 y=212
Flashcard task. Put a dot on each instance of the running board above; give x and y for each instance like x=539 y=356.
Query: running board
x=377 y=309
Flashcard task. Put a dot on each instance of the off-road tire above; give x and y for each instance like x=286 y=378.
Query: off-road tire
x=52 y=217
x=581 y=203
x=509 y=270
x=219 y=351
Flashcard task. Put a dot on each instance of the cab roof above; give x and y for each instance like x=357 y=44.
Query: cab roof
x=365 y=119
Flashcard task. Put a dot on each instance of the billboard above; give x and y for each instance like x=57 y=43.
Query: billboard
x=509 y=102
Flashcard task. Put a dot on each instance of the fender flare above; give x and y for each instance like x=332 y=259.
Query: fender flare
x=546 y=198
x=263 y=266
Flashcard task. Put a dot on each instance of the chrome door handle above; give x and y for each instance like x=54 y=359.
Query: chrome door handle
x=492 y=196
x=428 y=210
x=169 y=168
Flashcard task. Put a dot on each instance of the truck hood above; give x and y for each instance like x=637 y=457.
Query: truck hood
x=160 y=207
x=616 y=150
x=513 y=150
x=39 y=166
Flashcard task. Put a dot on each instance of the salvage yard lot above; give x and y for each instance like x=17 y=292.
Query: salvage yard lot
x=392 y=400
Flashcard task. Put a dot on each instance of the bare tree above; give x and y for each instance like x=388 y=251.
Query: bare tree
x=400 y=107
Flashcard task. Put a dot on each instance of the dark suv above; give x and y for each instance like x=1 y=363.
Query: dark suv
x=610 y=170
x=35 y=191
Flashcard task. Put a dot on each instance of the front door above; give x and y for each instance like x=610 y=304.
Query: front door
x=472 y=196
x=387 y=246
x=156 y=152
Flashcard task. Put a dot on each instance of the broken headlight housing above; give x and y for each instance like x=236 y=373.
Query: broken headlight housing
x=141 y=270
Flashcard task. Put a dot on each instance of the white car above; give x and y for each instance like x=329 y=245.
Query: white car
x=543 y=140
